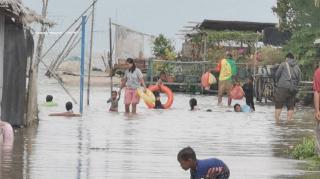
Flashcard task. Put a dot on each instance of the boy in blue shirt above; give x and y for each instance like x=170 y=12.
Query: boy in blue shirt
x=208 y=168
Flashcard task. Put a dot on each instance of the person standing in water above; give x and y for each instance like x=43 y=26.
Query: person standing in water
x=227 y=69
x=133 y=79
x=287 y=77
x=248 y=91
x=114 y=101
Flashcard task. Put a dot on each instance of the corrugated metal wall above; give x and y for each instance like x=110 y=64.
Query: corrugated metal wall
x=14 y=74
x=1 y=56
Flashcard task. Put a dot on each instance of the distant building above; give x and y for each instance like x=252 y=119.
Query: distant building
x=268 y=31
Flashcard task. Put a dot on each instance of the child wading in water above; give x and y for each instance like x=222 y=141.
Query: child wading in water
x=114 y=101
x=158 y=104
x=248 y=90
x=208 y=168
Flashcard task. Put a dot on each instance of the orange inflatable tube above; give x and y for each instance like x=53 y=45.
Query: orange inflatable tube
x=207 y=79
x=163 y=89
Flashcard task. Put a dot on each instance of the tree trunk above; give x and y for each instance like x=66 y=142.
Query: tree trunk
x=32 y=98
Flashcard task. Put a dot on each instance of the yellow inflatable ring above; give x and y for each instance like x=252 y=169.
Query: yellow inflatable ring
x=148 y=96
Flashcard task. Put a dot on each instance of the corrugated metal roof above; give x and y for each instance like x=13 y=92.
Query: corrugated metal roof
x=234 y=25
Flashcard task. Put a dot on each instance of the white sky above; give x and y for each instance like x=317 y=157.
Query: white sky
x=158 y=16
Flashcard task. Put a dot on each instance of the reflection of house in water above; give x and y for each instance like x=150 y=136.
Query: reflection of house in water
x=238 y=35
x=16 y=47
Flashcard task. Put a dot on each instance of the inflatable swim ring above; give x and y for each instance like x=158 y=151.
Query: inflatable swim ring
x=207 y=79
x=163 y=89
x=148 y=96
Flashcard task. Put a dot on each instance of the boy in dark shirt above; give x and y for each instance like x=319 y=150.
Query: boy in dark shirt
x=248 y=91
x=208 y=168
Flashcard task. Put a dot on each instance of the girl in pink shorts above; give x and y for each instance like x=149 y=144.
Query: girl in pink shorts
x=131 y=96
x=133 y=79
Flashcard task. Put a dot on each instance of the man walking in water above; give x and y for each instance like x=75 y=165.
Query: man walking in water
x=287 y=77
x=227 y=69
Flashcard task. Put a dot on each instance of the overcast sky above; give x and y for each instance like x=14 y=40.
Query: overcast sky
x=158 y=16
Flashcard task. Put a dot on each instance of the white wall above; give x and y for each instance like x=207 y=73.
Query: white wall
x=2 y=23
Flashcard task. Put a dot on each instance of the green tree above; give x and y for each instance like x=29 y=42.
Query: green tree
x=163 y=48
x=302 y=19
x=297 y=14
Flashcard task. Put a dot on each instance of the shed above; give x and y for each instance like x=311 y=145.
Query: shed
x=16 y=46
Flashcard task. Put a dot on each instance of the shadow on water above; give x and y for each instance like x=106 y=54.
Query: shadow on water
x=115 y=145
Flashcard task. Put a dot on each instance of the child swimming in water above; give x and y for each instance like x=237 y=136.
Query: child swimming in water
x=244 y=108
x=193 y=104
x=68 y=113
x=49 y=101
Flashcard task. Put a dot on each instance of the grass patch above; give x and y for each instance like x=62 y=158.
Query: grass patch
x=306 y=150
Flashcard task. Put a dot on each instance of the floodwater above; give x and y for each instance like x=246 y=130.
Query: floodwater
x=114 y=145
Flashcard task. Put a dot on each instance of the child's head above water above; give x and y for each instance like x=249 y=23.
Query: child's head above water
x=114 y=94
x=187 y=158
x=49 y=98
x=69 y=106
x=192 y=103
x=237 y=107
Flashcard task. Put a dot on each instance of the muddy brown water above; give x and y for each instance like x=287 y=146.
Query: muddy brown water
x=114 y=145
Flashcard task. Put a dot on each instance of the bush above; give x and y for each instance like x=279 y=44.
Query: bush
x=304 y=150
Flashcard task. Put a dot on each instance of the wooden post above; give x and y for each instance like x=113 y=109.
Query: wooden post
x=90 y=54
x=32 y=99
x=110 y=57
x=317 y=137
